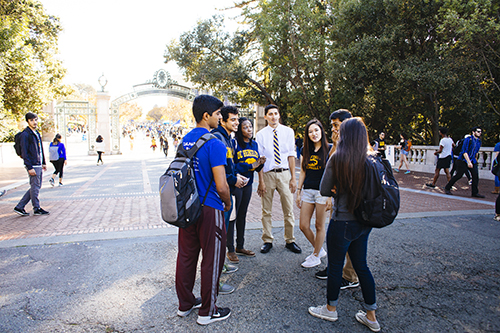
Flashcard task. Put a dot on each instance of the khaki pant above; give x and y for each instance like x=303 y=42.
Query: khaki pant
x=348 y=272
x=280 y=182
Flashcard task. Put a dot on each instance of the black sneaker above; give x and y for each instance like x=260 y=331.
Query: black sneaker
x=40 y=211
x=21 y=212
x=221 y=314
x=430 y=185
x=196 y=305
x=322 y=275
x=348 y=284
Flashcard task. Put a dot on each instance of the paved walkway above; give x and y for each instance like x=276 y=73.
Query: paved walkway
x=122 y=195
x=88 y=267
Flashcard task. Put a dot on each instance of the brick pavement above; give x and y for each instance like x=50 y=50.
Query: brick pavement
x=121 y=196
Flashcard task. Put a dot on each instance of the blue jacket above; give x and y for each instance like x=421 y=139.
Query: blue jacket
x=471 y=148
x=221 y=134
x=31 y=148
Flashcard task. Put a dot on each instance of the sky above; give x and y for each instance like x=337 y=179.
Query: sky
x=125 y=40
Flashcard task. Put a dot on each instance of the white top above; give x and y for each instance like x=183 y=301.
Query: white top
x=286 y=139
x=99 y=146
x=447 y=144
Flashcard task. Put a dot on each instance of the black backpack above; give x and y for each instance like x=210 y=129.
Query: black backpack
x=17 y=144
x=458 y=147
x=380 y=204
x=179 y=200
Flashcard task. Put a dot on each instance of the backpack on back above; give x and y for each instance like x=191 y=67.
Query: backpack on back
x=17 y=144
x=179 y=200
x=459 y=145
x=53 y=153
x=380 y=204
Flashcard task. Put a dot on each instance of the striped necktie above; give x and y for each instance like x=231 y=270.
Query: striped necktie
x=277 y=157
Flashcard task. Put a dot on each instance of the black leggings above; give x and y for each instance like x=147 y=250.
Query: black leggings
x=59 y=166
x=243 y=196
x=99 y=158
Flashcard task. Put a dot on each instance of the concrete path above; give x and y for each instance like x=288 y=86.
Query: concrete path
x=103 y=260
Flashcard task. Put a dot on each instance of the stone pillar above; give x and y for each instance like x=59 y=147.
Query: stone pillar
x=260 y=122
x=103 y=127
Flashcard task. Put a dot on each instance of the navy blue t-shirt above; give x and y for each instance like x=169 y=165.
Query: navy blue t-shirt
x=210 y=155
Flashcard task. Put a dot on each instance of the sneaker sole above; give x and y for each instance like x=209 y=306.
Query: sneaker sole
x=350 y=286
x=321 y=277
x=21 y=214
x=366 y=324
x=317 y=315
x=309 y=266
x=212 y=320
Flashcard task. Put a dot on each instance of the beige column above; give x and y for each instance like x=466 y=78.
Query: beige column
x=103 y=126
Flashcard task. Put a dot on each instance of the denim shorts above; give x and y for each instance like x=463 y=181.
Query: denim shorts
x=313 y=197
x=404 y=152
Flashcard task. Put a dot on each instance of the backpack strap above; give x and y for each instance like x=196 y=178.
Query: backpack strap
x=198 y=144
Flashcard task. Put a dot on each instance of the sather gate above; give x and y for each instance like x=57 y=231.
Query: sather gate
x=104 y=118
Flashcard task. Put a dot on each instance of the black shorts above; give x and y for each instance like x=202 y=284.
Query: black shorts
x=444 y=163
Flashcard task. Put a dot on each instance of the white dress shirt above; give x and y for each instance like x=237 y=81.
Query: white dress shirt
x=286 y=139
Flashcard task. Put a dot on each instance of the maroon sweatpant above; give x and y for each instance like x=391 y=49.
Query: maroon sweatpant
x=209 y=235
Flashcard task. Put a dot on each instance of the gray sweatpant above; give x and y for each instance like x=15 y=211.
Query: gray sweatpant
x=32 y=193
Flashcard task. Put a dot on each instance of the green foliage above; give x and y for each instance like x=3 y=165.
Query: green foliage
x=30 y=74
x=405 y=66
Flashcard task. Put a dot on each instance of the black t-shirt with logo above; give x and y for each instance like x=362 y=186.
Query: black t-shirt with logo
x=314 y=169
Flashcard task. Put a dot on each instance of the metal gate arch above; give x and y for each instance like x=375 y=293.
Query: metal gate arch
x=67 y=108
x=143 y=90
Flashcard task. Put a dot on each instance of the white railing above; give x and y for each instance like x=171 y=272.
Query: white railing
x=422 y=158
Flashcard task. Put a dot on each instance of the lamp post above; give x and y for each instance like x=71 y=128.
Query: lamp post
x=103 y=82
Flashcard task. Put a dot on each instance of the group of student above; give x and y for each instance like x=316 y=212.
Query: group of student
x=226 y=167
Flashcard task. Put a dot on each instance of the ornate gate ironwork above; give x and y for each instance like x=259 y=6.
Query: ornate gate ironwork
x=68 y=108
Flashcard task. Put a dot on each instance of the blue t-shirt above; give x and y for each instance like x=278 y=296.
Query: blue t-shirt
x=210 y=155
x=244 y=157
x=497 y=147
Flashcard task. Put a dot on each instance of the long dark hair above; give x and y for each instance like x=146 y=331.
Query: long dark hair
x=239 y=134
x=348 y=161
x=57 y=139
x=309 y=145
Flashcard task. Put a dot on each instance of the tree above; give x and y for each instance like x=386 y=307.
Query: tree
x=30 y=74
x=212 y=58
x=155 y=114
x=129 y=111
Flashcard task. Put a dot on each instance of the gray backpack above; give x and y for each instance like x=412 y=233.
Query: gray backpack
x=179 y=200
x=53 y=153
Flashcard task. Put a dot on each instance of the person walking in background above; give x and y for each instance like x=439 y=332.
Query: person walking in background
x=247 y=161
x=404 y=146
x=208 y=234
x=277 y=143
x=380 y=143
x=312 y=165
x=496 y=150
x=467 y=161
x=153 y=143
x=444 y=156
x=34 y=162
x=165 y=146
x=299 y=142
x=99 y=147
x=57 y=156
x=345 y=173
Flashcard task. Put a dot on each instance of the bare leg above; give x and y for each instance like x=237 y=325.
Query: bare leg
x=320 y=227
x=306 y=212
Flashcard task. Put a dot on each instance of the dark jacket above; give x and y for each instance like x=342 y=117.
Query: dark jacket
x=29 y=149
x=221 y=134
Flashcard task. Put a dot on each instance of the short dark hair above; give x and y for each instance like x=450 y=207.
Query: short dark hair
x=226 y=110
x=443 y=130
x=341 y=115
x=475 y=128
x=30 y=115
x=205 y=103
x=269 y=107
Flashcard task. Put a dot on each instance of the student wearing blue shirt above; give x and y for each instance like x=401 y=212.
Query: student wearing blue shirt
x=247 y=161
x=467 y=160
x=57 y=156
x=208 y=234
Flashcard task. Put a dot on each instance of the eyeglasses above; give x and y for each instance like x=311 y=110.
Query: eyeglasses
x=479 y=131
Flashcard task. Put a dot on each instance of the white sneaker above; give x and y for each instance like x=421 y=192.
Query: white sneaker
x=323 y=313
x=361 y=317
x=311 y=261
x=322 y=254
